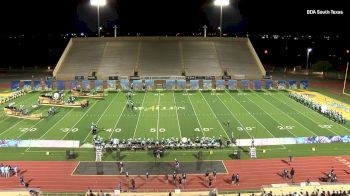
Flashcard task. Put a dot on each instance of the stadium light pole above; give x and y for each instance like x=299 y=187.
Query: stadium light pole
x=221 y=3
x=98 y=3
x=115 y=30
x=307 y=57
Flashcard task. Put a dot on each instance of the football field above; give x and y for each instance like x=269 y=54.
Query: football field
x=166 y=114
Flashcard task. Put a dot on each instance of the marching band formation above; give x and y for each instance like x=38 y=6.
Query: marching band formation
x=322 y=109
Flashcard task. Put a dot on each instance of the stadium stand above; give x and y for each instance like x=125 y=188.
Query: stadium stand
x=159 y=56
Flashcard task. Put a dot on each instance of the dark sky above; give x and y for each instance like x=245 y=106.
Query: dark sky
x=162 y=16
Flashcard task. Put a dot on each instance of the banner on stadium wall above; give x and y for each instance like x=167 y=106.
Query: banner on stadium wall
x=14 y=85
x=194 y=84
x=61 y=85
x=86 y=85
x=207 y=85
x=73 y=85
x=27 y=85
x=220 y=84
x=268 y=84
x=111 y=85
x=170 y=84
x=232 y=84
x=297 y=140
x=292 y=84
x=281 y=84
x=149 y=85
x=181 y=84
x=99 y=85
x=257 y=84
x=124 y=85
x=137 y=85
x=37 y=85
x=41 y=143
x=48 y=85
x=304 y=84
x=245 y=84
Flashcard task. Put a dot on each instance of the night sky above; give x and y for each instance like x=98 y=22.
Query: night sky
x=171 y=16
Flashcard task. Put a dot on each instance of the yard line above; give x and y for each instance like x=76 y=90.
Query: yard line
x=177 y=116
x=250 y=114
x=11 y=127
x=138 y=118
x=79 y=120
x=55 y=124
x=234 y=117
x=286 y=114
x=310 y=118
x=30 y=128
x=269 y=114
x=116 y=123
x=158 y=113
x=109 y=105
x=215 y=115
x=195 y=113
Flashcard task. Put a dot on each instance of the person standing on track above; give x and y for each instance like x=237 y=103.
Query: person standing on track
x=292 y=172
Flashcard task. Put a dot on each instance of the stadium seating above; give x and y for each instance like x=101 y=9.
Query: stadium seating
x=159 y=56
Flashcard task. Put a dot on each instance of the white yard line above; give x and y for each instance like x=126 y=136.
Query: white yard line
x=195 y=113
x=269 y=115
x=109 y=105
x=55 y=124
x=286 y=114
x=116 y=123
x=250 y=114
x=158 y=114
x=79 y=120
x=12 y=126
x=138 y=118
x=240 y=123
x=223 y=129
x=30 y=128
x=177 y=116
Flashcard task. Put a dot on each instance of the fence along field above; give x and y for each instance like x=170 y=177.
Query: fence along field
x=165 y=114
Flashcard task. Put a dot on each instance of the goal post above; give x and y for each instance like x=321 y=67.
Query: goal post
x=345 y=79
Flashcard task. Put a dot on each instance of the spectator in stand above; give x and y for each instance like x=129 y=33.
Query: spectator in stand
x=100 y=193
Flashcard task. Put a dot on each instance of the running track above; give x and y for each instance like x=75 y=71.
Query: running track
x=56 y=176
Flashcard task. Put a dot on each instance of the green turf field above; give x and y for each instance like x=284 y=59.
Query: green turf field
x=165 y=114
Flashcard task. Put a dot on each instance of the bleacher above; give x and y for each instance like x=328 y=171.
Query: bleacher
x=159 y=56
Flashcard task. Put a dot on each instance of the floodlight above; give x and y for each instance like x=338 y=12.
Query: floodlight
x=222 y=2
x=98 y=2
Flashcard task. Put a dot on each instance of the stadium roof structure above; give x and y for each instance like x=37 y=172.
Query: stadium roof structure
x=159 y=56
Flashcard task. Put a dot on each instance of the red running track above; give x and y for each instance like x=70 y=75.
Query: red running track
x=56 y=176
